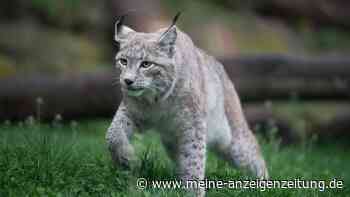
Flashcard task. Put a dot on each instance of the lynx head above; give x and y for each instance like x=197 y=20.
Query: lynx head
x=146 y=61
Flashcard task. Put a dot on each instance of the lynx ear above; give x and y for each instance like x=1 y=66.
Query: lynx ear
x=121 y=31
x=167 y=41
x=168 y=38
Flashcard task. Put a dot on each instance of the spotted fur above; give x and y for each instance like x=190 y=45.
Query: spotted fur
x=188 y=98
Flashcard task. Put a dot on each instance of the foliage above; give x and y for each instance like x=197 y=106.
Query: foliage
x=53 y=8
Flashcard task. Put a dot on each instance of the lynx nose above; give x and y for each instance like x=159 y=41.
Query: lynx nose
x=128 y=81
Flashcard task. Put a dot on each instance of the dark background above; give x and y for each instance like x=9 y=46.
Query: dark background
x=288 y=59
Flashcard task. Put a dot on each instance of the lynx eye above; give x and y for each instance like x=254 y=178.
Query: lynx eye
x=146 y=64
x=123 y=61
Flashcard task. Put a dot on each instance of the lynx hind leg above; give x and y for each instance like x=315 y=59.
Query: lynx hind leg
x=244 y=151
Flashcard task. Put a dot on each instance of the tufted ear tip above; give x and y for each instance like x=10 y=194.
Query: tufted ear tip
x=171 y=33
x=121 y=31
x=168 y=38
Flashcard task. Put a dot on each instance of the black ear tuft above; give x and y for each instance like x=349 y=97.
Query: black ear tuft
x=175 y=18
x=118 y=24
x=171 y=26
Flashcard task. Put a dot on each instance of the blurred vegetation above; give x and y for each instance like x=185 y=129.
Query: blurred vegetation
x=72 y=35
x=326 y=39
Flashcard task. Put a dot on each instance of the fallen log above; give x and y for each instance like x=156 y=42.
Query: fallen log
x=72 y=96
x=279 y=65
x=93 y=95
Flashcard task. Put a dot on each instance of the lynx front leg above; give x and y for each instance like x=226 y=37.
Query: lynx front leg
x=117 y=136
x=192 y=154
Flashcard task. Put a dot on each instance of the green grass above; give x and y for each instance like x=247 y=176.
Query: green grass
x=65 y=160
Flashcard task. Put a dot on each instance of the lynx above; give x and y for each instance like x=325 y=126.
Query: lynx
x=172 y=86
